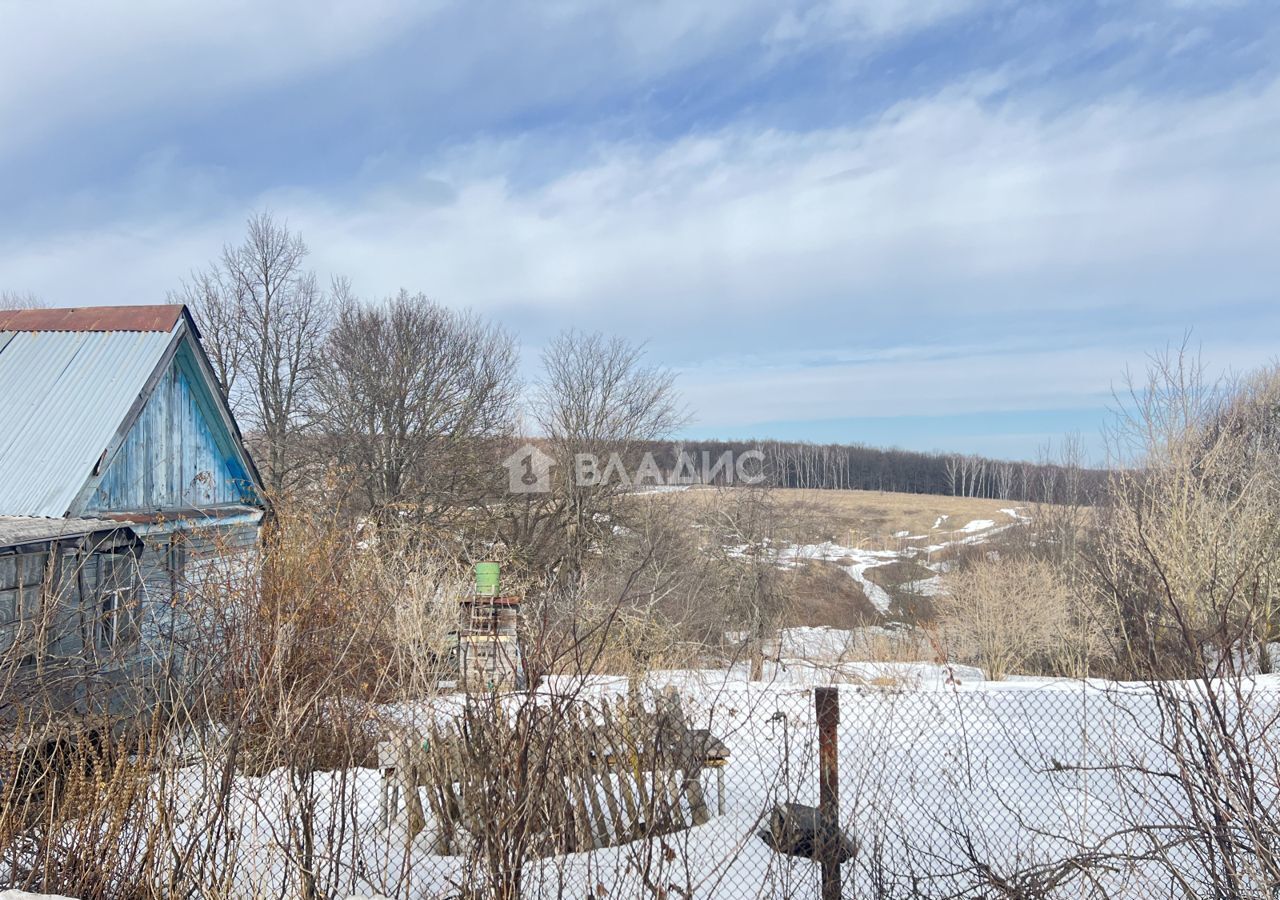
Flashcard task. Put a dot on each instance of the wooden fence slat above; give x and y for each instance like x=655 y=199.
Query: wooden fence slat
x=648 y=766
x=618 y=751
x=600 y=750
x=688 y=760
x=585 y=748
x=577 y=788
x=635 y=749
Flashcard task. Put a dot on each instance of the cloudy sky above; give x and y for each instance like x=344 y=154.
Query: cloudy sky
x=942 y=224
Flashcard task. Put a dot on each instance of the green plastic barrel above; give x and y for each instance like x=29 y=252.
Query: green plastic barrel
x=487 y=578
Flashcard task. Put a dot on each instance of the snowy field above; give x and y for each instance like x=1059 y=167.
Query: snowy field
x=942 y=777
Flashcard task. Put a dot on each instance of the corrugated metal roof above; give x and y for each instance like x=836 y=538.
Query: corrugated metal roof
x=18 y=530
x=63 y=396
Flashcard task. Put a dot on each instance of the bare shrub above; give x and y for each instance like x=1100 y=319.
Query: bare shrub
x=654 y=579
x=743 y=527
x=1062 y=514
x=1189 y=541
x=417 y=593
x=1015 y=615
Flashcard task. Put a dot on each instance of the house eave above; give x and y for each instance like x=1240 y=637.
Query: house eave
x=163 y=520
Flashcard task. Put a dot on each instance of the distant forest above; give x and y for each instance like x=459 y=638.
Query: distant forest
x=795 y=464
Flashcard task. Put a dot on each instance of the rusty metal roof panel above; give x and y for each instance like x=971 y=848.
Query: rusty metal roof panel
x=63 y=396
x=93 y=318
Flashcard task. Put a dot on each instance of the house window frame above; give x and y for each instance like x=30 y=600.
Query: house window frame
x=115 y=596
x=99 y=588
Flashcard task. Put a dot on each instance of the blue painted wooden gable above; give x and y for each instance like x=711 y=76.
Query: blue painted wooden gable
x=178 y=454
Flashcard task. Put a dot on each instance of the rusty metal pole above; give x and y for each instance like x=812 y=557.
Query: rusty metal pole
x=826 y=701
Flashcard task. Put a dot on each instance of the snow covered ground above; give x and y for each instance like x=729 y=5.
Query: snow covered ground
x=942 y=773
x=946 y=779
x=1014 y=772
x=853 y=560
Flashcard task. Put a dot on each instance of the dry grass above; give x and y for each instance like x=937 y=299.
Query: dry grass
x=866 y=518
x=869 y=518
x=820 y=593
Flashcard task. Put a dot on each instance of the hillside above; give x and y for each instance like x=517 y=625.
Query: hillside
x=883 y=519
x=856 y=558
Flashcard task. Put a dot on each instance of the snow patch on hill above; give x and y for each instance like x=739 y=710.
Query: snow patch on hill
x=855 y=561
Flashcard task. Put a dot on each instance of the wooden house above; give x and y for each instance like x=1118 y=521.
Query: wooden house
x=124 y=486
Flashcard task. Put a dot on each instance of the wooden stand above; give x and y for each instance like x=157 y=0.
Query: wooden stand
x=488 y=643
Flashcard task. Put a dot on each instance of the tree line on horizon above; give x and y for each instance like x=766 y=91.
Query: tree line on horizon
x=853 y=466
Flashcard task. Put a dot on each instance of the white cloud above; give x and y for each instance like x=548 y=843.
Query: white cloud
x=939 y=197
x=70 y=64
x=861 y=19
x=942 y=200
x=952 y=209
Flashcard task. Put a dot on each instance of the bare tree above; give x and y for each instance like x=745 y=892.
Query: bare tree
x=598 y=400
x=263 y=318
x=1004 y=480
x=744 y=522
x=953 y=464
x=20 y=300
x=1061 y=512
x=1188 y=554
x=1189 y=543
x=412 y=398
x=214 y=302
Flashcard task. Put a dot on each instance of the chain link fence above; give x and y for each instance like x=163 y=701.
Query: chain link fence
x=677 y=784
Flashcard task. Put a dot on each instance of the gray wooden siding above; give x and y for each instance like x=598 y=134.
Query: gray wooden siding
x=186 y=609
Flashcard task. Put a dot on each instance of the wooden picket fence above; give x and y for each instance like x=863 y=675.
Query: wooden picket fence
x=575 y=777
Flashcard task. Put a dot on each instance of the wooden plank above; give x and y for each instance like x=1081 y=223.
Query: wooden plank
x=689 y=758
x=586 y=745
x=599 y=743
x=586 y=839
x=633 y=737
x=669 y=730
x=670 y=781
x=617 y=750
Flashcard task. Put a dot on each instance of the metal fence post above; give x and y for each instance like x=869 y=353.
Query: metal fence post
x=826 y=701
